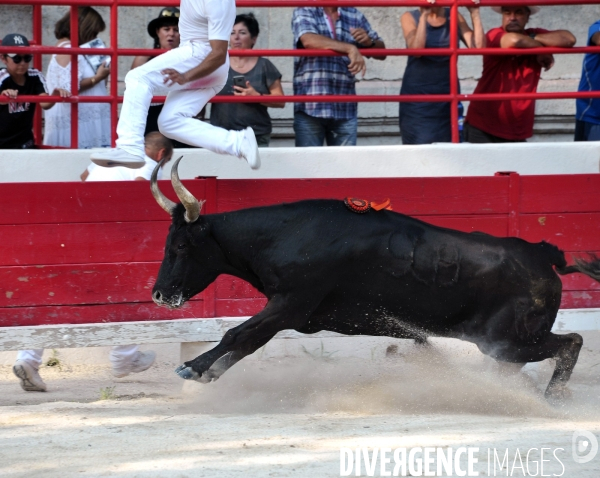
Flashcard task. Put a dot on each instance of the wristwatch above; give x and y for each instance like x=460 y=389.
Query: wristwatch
x=532 y=35
x=373 y=43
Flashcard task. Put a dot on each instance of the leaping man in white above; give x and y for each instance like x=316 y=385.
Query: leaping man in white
x=190 y=76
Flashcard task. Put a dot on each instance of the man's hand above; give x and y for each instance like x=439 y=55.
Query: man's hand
x=173 y=77
x=10 y=93
x=546 y=60
x=361 y=36
x=248 y=91
x=357 y=62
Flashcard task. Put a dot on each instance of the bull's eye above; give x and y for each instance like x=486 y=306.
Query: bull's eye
x=181 y=246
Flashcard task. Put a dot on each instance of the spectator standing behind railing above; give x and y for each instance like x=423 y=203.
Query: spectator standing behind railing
x=587 y=125
x=93 y=119
x=429 y=27
x=16 y=118
x=344 y=30
x=260 y=78
x=164 y=30
x=511 y=120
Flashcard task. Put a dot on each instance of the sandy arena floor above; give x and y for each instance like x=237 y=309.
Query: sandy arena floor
x=289 y=417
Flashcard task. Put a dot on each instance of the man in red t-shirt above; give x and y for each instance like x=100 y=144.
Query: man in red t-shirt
x=511 y=120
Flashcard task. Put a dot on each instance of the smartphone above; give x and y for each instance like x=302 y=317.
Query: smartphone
x=239 y=81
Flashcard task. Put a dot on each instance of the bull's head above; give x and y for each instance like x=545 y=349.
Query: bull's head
x=191 y=256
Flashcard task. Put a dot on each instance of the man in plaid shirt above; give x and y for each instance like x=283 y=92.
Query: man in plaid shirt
x=344 y=30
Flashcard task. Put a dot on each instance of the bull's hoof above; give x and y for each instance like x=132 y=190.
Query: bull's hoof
x=187 y=373
x=204 y=378
x=557 y=397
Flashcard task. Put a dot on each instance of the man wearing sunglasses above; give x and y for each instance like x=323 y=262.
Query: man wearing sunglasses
x=16 y=119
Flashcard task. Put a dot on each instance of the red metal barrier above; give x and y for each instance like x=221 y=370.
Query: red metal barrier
x=65 y=260
x=454 y=52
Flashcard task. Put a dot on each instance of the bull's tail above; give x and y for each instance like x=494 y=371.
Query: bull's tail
x=590 y=268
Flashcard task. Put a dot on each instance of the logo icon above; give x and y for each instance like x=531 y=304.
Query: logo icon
x=585 y=446
x=18 y=40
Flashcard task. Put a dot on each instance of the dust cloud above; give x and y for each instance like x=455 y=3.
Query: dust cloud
x=434 y=379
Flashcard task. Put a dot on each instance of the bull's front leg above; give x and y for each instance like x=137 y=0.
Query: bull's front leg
x=221 y=365
x=238 y=342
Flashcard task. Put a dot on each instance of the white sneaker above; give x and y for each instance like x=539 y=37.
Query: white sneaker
x=249 y=149
x=109 y=158
x=142 y=361
x=30 y=378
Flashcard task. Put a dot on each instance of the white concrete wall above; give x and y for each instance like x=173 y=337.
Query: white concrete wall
x=571 y=320
x=334 y=162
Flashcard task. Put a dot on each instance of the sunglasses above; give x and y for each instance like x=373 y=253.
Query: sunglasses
x=169 y=13
x=16 y=58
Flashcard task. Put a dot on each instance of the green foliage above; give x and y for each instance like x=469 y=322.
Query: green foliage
x=54 y=360
x=319 y=353
x=107 y=393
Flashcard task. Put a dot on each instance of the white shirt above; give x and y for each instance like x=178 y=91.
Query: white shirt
x=204 y=20
x=120 y=173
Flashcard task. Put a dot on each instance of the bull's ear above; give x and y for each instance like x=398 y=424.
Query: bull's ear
x=198 y=231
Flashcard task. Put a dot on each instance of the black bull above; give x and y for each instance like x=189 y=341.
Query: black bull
x=323 y=267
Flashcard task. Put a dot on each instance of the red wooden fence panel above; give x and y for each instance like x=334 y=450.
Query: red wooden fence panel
x=89 y=252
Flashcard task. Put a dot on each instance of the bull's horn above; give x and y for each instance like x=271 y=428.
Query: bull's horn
x=162 y=200
x=191 y=204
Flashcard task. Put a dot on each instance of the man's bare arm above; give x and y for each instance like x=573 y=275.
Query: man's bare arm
x=314 y=41
x=518 y=40
x=595 y=40
x=558 y=38
x=361 y=37
x=215 y=59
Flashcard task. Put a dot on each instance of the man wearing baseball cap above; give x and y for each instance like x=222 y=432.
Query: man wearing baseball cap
x=511 y=120
x=16 y=119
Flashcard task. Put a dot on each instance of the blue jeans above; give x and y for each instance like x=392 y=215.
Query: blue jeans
x=586 y=131
x=312 y=131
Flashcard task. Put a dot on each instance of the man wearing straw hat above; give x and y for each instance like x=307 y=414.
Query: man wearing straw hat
x=511 y=120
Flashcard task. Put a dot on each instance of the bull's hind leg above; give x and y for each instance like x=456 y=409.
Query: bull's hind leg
x=564 y=348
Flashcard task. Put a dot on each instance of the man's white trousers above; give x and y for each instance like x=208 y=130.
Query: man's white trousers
x=183 y=102
x=119 y=355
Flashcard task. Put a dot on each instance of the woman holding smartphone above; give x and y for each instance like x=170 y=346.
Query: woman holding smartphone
x=248 y=76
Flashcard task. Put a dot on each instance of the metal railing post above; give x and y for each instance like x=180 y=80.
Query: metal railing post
x=74 y=21
x=454 y=71
x=37 y=64
x=114 y=71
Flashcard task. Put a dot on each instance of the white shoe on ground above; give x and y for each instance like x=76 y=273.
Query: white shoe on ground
x=30 y=378
x=142 y=361
x=249 y=149
x=109 y=158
